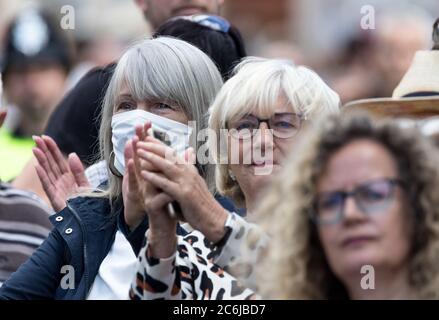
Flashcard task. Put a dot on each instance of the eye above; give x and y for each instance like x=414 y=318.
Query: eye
x=286 y=121
x=373 y=194
x=126 y=106
x=283 y=124
x=329 y=201
x=244 y=125
x=160 y=107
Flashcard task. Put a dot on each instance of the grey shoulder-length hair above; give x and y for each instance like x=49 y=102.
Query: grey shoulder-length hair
x=161 y=69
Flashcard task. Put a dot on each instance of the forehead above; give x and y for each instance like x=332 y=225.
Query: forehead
x=262 y=109
x=355 y=163
x=280 y=105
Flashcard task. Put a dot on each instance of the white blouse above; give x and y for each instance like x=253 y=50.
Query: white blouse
x=116 y=272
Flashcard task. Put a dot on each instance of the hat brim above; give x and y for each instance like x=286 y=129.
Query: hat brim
x=413 y=107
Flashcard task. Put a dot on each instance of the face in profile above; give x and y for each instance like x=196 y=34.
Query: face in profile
x=362 y=213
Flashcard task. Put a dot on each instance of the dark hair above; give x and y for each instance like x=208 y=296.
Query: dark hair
x=226 y=49
x=58 y=48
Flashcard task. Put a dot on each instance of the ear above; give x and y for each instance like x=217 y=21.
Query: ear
x=144 y=6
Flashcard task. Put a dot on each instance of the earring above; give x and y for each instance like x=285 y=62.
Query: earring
x=111 y=166
x=232 y=176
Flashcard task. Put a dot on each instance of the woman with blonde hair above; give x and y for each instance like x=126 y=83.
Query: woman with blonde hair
x=355 y=215
x=254 y=121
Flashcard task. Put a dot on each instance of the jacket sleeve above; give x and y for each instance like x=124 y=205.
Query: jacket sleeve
x=39 y=277
x=239 y=250
x=187 y=274
x=155 y=278
x=135 y=237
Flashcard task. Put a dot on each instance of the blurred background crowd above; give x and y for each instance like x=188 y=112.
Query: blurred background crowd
x=325 y=35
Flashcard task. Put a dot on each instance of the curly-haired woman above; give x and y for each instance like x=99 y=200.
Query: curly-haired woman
x=357 y=218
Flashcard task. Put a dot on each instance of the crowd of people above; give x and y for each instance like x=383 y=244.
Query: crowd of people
x=187 y=169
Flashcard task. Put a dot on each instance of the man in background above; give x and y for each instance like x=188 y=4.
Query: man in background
x=35 y=66
x=24 y=225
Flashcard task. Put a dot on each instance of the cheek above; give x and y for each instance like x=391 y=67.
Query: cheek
x=328 y=238
x=51 y=85
x=284 y=147
x=396 y=228
x=179 y=117
x=13 y=87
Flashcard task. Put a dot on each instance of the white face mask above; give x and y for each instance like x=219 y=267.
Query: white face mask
x=123 y=127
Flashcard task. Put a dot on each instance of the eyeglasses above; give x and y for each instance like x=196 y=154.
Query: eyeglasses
x=371 y=197
x=284 y=125
x=209 y=21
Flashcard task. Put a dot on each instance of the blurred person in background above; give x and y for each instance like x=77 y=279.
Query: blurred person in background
x=353 y=74
x=35 y=65
x=158 y=11
x=257 y=118
x=73 y=125
x=358 y=194
x=373 y=61
x=24 y=221
x=398 y=36
x=415 y=101
x=283 y=50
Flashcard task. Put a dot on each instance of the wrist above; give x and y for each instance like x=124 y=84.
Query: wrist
x=216 y=230
x=133 y=220
x=162 y=244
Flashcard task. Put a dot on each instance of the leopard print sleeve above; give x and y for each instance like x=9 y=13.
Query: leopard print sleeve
x=188 y=274
x=239 y=251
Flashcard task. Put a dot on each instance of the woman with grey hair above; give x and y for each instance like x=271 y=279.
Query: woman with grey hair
x=254 y=121
x=161 y=84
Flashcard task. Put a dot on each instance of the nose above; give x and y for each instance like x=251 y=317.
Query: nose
x=31 y=79
x=351 y=212
x=263 y=137
x=262 y=144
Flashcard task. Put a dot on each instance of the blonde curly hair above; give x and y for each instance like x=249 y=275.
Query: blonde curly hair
x=298 y=268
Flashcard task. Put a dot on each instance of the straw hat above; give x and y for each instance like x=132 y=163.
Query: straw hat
x=417 y=95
